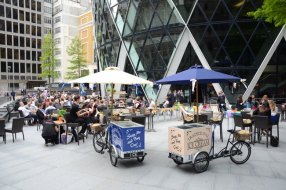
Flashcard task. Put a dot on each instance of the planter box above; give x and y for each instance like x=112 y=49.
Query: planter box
x=128 y=138
x=186 y=140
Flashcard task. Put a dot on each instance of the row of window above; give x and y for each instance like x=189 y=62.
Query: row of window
x=20 y=15
x=48 y=20
x=16 y=27
x=19 y=41
x=17 y=54
x=20 y=67
x=25 y=4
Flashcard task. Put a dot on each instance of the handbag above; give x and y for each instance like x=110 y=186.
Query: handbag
x=274 y=141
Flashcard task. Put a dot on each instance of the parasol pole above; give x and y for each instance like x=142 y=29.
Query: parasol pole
x=197 y=99
x=111 y=105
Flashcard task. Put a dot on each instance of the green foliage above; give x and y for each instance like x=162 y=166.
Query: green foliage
x=48 y=61
x=273 y=11
x=77 y=62
x=62 y=113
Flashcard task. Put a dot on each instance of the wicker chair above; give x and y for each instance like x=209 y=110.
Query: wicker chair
x=2 y=130
x=187 y=117
x=17 y=127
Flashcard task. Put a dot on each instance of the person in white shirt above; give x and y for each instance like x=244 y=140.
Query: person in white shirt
x=152 y=104
x=27 y=113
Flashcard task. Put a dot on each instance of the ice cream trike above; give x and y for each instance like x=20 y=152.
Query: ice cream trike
x=194 y=144
x=122 y=139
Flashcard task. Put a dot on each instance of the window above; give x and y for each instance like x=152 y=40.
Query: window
x=9 y=26
x=48 y=20
x=47 y=30
x=27 y=3
x=39 y=8
x=34 y=68
x=9 y=53
x=57 y=30
x=28 y=44
x=48 y=10
x=22 y=29
x=57 y=19
x=16 y=67
x=34 y=41
x=2 y=53
x=22 y=54
x=28 y=30
x=15 y=2
x=27 y=16
x=34 y=56
x=21 y=3
x=57 y=40
x=57 y=9
x=39 y=31
x=39 y=69
x=8 y=12
x=34 y=30
x=3 y=67
x=22 y=67
x=2 y=39
x=39 y=19
x=21 y=15
x=39 y=44
x=28 y=67
x=2 y=10
x=15 y=14
x=8 y=1
x=48 y=1
x=16 y=54
x=16 y=43
x=84 y=34
x=9 y=40
x=28 y=56
x=2 y=25
x=15 y=27
x=33 y=18
x=39 y=56
x=33 y=3
x=22 y=41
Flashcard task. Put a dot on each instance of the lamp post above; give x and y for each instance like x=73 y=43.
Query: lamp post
x=8 y=75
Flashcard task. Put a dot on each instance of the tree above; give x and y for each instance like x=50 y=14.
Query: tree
x=273 y=11
x=78 y=63
x=48 y=60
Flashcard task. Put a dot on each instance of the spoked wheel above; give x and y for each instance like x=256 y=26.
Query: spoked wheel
x=113 y=155
x=201 y=162
x=240 y=152
x=177 y=162
x=140 y=159
x=98 y=142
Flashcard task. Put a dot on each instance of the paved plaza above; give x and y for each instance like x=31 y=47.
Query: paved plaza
x=31 y=165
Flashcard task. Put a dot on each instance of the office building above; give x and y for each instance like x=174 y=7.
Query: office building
x=154 y=39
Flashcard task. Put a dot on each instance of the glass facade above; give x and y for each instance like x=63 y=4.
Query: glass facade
x=150 y=31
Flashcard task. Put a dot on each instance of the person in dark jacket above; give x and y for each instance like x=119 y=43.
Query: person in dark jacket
x=50 y=132
x=221 y=102
x=13 y=94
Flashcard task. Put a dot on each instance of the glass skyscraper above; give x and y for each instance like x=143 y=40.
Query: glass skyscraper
x=157 y=38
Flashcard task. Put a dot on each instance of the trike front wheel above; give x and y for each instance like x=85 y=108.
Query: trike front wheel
x=113 y=155
x=98 y=142
x=201 y=162
x=240 y=152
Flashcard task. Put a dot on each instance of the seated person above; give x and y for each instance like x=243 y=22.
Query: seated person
x=93 y=112
x=50 y=132
x=27 y=113
x=79 y=116
x=49 y=110
x=166 y=103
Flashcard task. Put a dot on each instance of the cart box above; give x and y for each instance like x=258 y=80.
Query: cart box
x=186 y=140
x=128 y=138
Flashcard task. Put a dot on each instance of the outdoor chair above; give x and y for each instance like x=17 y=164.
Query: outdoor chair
x=240 y=122
x=262 y=123
x=26 y=119
x=217 y=119
x=2 y=130
x=74 y=126
x=17 y=127
x=95 y=126
x=11 y=112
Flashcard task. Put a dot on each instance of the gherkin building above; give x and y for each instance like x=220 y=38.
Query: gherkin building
x=156 y=38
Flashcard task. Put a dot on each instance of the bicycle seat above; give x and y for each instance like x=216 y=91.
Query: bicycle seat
x=231 y=131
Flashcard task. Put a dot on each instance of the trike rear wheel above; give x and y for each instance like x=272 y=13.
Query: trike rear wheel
x=140 y=159
x=201 y=162
x=177 y=162
x=240 y=152
x=98 y=142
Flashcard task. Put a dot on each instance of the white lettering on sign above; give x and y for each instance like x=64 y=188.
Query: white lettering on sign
x=176 y=140
x=133 y=138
